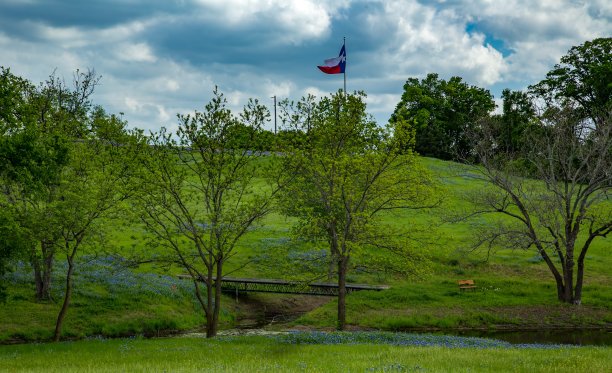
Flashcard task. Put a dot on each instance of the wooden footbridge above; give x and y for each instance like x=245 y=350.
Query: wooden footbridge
x=260 y=285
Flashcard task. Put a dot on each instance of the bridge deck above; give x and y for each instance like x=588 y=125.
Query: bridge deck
x=244 y=285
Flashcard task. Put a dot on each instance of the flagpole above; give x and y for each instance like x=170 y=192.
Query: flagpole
x=345 y=58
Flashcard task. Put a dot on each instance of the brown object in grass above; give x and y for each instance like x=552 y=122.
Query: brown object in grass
x=466 y=285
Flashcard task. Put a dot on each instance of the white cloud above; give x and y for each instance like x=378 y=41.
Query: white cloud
x=65 y=37
x=314 y=91
x=298 y=20
x=422 y=39
x=79 y=37
x=162 y=114
x=383 y=103
x=135 y=52
x=153 y=100
x=172 y=85
x=280 y=89
x=600 y=8
x=541 y=32
x=132 y=104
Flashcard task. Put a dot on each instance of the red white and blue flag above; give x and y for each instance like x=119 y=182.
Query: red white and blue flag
x=335 y=65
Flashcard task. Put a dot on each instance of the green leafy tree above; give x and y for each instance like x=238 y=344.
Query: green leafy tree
x=200 y=194
x=13 y=244
x=582 y=79
x=93 y=186
x=64 y=168
x=13 y=108
x=442 y=112
x=346 y=177
x=33 y=155
x=517 y=116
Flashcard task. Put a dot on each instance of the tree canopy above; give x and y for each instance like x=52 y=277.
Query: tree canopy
x=583 y=78
x=200 y=194
x=345 y=176
x=441 y=112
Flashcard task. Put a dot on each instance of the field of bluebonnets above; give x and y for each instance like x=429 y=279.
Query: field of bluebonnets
x=110 y=299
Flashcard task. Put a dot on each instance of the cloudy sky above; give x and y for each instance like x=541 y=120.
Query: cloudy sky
x=162 y=57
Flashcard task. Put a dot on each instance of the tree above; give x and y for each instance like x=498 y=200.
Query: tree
x=94 y=184
x=345 y=176
x=441 y=112
x=200 y=194
x=12 y=108
x=565 y=208
x=13 y=244
x=33 y=154
x=518 y=114
x=582 y=79
x=64 y=168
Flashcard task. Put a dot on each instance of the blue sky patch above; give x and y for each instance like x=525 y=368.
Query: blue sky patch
x=498 y=44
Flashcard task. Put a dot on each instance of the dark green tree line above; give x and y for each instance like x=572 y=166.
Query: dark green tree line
x=442 y=112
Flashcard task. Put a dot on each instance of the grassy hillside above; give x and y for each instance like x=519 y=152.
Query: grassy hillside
x=514 y=290
x=515 y=287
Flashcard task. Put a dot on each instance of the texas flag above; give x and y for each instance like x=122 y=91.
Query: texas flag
x=335 y=65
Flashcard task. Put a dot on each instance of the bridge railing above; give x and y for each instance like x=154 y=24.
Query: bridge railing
x=245 y=285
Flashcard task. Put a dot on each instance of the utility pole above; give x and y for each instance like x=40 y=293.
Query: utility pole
x=274 y=97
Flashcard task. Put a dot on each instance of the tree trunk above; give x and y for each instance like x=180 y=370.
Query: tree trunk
x=580 y=272
x=342 y=265
x=559 y=278
x=35 y=262
x=46 y=278
x=560 y=291
x=217 y=304
x=198 y=293
x=330 y=270
x=62 y=314
x=42 y=272
x=569 y=271
x=579 y=279
x=210 y=332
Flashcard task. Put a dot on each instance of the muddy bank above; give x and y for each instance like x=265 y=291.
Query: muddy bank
x=257 y=310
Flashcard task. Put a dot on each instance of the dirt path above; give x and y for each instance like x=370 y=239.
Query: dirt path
x=256 y=310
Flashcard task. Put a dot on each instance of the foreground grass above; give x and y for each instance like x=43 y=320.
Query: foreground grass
x=265 y=354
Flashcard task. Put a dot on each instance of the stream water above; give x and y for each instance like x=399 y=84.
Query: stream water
x=582 y=337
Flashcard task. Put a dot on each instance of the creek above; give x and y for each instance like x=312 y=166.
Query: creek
x=262 y=311
x=581 y=337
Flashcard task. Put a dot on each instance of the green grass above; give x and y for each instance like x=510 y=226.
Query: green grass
x=261 y=354
x=106 y=301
